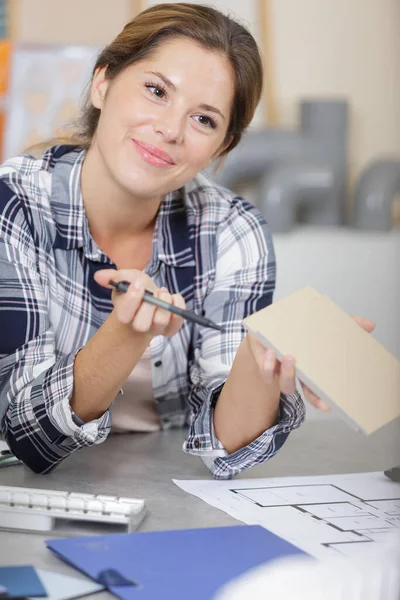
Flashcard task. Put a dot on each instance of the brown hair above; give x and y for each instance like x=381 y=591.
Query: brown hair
x=205 y=25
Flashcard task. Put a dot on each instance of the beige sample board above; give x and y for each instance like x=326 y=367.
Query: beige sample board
x=339 y=361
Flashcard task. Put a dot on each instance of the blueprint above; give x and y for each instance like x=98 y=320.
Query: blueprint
x=355 y=515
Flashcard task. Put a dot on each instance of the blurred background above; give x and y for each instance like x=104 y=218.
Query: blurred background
x=321 y=158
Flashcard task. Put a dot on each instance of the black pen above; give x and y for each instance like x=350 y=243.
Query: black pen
x=122 y=286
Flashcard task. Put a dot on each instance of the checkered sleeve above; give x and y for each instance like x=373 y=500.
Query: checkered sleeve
x=35 y=383
x=244 y=283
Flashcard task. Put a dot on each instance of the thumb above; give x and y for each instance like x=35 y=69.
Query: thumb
x=103 y=276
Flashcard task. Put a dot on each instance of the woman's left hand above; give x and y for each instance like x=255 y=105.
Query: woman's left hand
x=272 y=369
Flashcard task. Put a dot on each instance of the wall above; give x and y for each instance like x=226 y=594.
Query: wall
x=318 y=48
x=90 y=22
x=343 y=48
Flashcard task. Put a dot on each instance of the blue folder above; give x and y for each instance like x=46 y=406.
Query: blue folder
x=176 y=565
x=21 y=581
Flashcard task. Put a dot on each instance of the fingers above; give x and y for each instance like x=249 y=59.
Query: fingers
x=314 y=400
x=271 y=369
x=103 y=276
x=269 y=366
x=366 y=324
x=130 y=308
x=162 y=318
x=288 y=375
x=127 y=304
x=150 y=317
x=175 y=322
x=258 y=350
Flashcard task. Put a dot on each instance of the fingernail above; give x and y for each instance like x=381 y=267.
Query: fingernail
x=322 y=406
x=137 y=284
x=288 y=360
x=270 y=356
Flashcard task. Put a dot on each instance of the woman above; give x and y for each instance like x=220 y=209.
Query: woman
x=125 y=201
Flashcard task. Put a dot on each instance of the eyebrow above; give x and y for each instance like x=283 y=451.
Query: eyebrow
x=171 y=86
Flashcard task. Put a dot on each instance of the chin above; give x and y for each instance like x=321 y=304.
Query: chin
x=140 y=191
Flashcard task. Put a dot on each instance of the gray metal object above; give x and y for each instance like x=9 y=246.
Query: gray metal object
x=393 y=474
x=283 y=189
x=375 y=194
x=307 y=167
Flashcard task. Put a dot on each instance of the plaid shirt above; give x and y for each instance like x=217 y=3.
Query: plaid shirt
x=209 y=245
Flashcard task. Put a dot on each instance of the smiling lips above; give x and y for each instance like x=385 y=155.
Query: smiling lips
x=153 y=155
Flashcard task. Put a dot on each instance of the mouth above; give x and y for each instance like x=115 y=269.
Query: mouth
x=153 y=155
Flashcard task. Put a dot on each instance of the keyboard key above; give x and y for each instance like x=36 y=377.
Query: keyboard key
x=39 y=500
x=52 y=493
x=111 y=507
x=58 y=502
x=81 y=496
x=106 y=498
x=5 y=497
x=94 y=506
x=132 y=501
x=121 y=509
x=75 y=504
x=20 y=499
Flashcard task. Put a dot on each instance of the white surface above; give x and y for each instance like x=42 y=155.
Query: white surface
x=62 y=587
x=354 y=515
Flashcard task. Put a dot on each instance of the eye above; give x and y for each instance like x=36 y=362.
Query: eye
x=206 y=121
x=156 y=90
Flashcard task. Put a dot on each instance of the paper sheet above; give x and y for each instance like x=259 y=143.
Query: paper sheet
x=3 y=446
x=63 y=587
x=354 y=515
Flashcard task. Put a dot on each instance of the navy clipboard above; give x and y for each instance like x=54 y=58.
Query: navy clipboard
x=181 y=564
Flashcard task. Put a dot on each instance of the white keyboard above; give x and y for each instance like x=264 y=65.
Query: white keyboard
x=36 y=510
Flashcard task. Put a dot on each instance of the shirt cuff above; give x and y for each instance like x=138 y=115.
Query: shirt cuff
x=200 y=440
x=57 y=392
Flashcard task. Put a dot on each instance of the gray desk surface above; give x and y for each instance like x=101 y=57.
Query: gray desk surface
x=143 y=466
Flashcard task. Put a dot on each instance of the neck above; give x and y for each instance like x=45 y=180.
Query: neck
x=112 y=212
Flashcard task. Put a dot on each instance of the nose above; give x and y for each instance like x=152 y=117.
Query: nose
x=170 y=125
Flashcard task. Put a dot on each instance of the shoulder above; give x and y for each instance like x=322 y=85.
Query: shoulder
x=208 y=202
x=25 y=191
x=28 y=176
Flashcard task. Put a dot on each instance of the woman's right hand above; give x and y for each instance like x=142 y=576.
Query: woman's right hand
x=130 y=308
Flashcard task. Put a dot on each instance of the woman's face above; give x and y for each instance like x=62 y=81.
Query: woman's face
x=164 y=118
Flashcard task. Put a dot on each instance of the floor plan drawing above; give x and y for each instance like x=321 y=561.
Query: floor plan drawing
x=348 y=514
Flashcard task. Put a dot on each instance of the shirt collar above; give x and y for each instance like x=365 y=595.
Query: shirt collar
x=172 y=235
x=66 y=200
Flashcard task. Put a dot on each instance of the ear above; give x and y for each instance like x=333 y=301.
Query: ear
x=99 y=87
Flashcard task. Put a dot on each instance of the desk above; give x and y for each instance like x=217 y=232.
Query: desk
x=143 y=466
